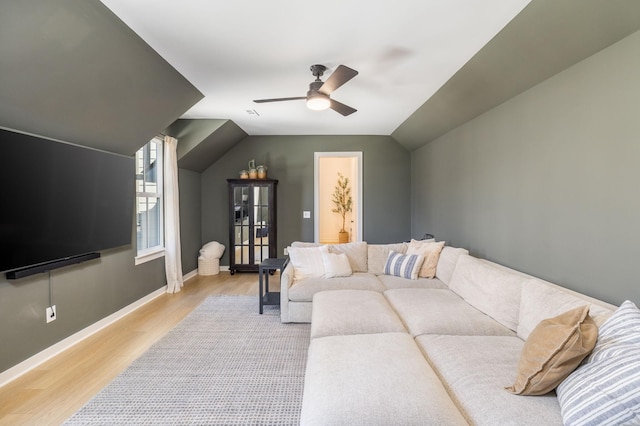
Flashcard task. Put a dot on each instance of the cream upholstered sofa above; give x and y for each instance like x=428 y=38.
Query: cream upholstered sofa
x=367 y=262
x=432 y=351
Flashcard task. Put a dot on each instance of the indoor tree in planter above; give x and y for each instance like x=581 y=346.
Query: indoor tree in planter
x=343 y=204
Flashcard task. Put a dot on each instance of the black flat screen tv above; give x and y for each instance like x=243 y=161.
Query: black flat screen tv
x=59 y=201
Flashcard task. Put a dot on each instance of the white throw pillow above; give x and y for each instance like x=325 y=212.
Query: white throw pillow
x=335 y=265
x=306 y=261
x=356 y=252
x=604 y=389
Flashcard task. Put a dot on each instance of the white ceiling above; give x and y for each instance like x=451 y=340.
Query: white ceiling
x=237 y=51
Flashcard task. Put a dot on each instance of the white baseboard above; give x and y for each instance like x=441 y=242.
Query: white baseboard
x=37 y=359
x=190 y=275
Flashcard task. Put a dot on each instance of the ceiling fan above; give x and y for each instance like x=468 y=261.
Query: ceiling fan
x=319 y=94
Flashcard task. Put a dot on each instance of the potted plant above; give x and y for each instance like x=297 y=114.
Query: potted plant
x=343 y=205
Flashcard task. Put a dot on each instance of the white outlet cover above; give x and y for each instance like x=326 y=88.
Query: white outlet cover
x=306 y=214
x=51 y=313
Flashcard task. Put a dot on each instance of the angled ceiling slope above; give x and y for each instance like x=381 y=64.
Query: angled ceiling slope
x=73 y=71
x=201 y=142
x=547 y=37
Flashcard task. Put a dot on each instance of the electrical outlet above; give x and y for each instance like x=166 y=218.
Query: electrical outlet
x=286 y=252
x=306 y=214
x=51 y=314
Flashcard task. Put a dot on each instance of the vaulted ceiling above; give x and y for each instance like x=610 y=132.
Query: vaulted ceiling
x=112 y=74
x=425 y=66
x=238 y=51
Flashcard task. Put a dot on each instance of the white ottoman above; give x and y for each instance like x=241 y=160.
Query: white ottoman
x=345 y=312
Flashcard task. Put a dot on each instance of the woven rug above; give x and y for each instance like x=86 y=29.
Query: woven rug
x=224 y=364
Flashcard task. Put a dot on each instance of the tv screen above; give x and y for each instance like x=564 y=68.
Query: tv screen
x=61 y=200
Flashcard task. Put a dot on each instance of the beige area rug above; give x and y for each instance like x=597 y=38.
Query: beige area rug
x=224 y=364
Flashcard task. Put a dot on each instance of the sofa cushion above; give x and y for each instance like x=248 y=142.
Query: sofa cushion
x=342 y=312
x=441 y=311
x=356 y=252
x=541 y=300
x=391 y=282
x=475 y=370
x=303 y=290
x=306 y=261
x=335 y=265
x=447 y=262
x=605 y=388
x=403 y=265
x=494 y=291
x=553 y=350
x=431 y=252
x=373 y=379
x=378 y=254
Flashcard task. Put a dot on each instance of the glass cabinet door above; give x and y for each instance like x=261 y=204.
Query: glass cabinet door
x=242 y=225
x=261 y=223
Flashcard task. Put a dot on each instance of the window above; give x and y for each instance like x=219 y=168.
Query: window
x=149 y=202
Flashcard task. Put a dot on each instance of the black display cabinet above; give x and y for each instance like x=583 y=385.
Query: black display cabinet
x=252 y=223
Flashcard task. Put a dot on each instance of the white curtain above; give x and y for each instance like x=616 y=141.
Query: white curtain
x=172 y=260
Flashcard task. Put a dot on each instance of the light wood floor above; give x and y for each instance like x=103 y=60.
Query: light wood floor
x=51 y=393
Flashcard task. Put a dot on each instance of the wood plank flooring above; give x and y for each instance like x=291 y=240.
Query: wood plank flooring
x=51 y=393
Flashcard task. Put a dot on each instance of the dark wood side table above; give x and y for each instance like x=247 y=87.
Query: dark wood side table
x=266 y=268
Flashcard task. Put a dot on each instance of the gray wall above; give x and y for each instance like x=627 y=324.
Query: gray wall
x=73 y=71
x=290 y=159
x=83 y=294
x=190 y=217
x=548 y=182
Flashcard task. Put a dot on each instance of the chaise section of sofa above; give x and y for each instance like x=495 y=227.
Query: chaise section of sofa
x=373 y=379
x=349 y=312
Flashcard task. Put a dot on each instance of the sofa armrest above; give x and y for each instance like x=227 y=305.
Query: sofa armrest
x=286 y=281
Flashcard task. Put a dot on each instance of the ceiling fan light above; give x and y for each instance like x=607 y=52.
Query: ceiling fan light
x=318 y=102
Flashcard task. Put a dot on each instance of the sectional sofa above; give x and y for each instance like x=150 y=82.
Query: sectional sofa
x=461 y=347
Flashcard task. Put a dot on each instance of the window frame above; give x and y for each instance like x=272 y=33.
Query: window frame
x=157 y=251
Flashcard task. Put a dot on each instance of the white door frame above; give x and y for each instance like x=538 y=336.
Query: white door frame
x=316 y=196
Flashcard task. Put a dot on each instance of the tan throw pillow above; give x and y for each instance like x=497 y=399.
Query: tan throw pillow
x=431 y=252
x=553 y=350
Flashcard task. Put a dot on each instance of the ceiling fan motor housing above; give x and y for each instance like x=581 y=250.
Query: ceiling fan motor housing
x=318 y=70
x=314 y=87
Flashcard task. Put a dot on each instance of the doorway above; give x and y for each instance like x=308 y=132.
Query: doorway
x=328 y=166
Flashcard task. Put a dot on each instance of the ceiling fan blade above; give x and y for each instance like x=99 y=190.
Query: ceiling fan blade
x=339 y=77
x=297 y=98
x=342 y=108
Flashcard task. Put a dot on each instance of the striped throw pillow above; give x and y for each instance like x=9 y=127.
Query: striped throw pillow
x=605 y=389
x=403 y=265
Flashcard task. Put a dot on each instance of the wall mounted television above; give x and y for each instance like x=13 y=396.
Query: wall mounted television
x=60 y=203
